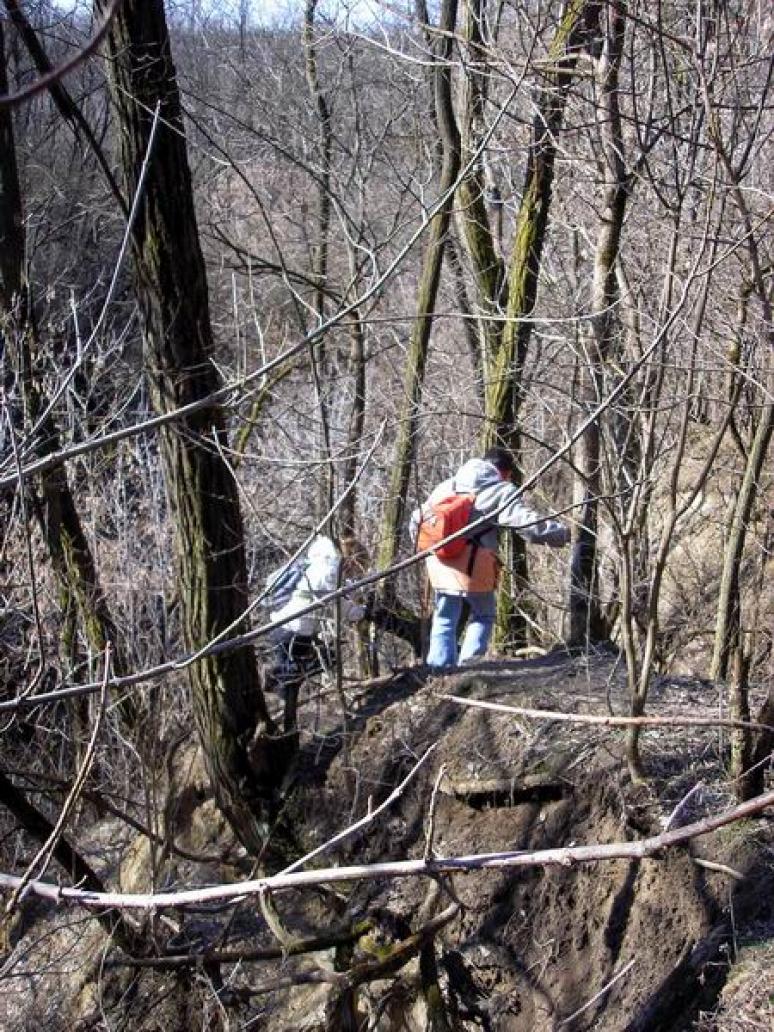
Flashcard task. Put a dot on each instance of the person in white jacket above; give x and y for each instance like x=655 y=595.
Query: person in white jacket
x=300 y=646
x=472 y=576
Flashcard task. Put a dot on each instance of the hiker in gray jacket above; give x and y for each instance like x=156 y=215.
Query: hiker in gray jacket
x=472 y=576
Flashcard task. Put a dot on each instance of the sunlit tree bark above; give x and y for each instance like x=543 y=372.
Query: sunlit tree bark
x=585 y=623
x=171 y=288
x=503 y=394
x=435 y=242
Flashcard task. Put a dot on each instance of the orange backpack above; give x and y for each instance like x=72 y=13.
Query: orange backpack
x=446 y=516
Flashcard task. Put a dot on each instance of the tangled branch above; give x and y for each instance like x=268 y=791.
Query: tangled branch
x=45 y=81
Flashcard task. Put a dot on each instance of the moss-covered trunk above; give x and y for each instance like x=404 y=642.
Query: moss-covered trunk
x=504 y=389
x=405 y=446
x=473 y=216
x=503 y=394
x=171 y=288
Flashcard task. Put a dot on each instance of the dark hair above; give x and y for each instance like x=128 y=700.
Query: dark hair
x=501 y=458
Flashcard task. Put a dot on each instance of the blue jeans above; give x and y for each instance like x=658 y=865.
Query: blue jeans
x=446 y=617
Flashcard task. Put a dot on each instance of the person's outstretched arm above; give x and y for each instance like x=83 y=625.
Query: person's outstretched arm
x=532 y=525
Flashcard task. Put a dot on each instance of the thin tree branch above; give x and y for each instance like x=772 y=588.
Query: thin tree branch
x=605 y=988
x=67 y=107
x=314 y=944
x=46 y=81
x=364 y=821
x=43 y=857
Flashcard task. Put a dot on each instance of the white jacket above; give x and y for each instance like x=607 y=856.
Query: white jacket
x=319 y=578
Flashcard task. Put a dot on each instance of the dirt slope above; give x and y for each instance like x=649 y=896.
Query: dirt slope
x=615 y=946
x=532 y=948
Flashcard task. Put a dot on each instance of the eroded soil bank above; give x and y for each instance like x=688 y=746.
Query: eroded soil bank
x=635 y=945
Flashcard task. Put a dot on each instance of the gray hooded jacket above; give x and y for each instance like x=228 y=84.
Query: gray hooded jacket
x=482 y=479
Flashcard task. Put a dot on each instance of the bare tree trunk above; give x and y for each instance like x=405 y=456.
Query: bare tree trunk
x=171 y=286
x=325 y=480
x=405 y=447
x=357 y=369
x=729 y=660
x=503 y=395
x=11 y=222
x=488 y=268
x=585 y=618
x=728 y=642
x=728 y=621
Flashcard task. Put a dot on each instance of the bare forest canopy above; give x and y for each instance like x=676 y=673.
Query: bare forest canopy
x=269 y=272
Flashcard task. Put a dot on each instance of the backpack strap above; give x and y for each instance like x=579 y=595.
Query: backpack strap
x=474 y=546
x=474 y=540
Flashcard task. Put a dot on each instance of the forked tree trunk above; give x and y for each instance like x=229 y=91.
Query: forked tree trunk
x=317 y=350
x=171 y=286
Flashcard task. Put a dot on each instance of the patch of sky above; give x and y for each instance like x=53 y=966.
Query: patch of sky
x=349 y=15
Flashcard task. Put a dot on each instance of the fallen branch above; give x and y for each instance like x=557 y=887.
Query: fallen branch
x=431 y=867
x=175 y=962
x=509 y=791
x=606 y=721
x=396 y=956
x=711 y=865
x=672 y=819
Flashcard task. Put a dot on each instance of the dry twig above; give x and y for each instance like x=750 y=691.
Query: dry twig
x=45 y=81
